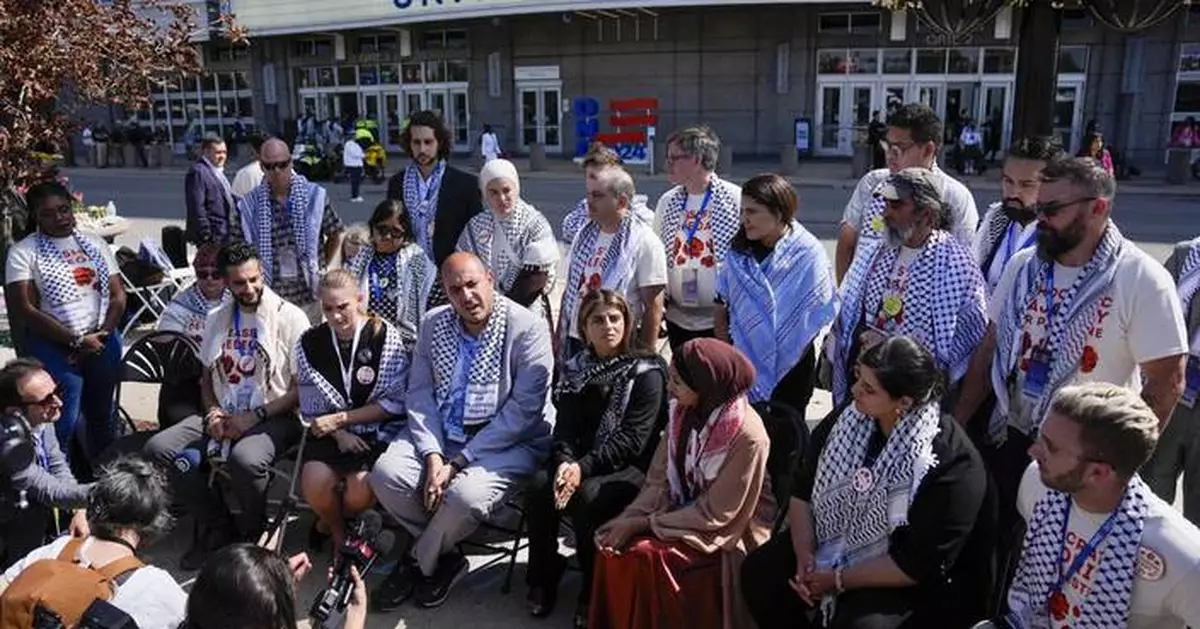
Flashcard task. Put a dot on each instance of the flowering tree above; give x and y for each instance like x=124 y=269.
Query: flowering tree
x=62 y=54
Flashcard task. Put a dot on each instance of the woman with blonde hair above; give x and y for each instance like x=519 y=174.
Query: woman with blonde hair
x=610 y=410
x=352 y=376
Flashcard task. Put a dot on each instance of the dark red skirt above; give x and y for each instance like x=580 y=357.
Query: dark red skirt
x=657 y=585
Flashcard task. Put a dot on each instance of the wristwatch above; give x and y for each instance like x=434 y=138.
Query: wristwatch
x=77 y=341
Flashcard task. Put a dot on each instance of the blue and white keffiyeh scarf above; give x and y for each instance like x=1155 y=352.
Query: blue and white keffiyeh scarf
x=483 y=372
x=1042 y=562
x=319 y=396
x=194 y=301
x=854 y=521
x=617 y=273
x=59 y=286
x=415 y=273
x=778 y=307
x=421 y=202
x=301 y=196
x=524 y=232
x=944 y=304
x=1189 y=276
x=723 y=213
x=1067 y=331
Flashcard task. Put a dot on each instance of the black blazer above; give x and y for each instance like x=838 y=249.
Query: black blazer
x=458 y=201
x=210 y=215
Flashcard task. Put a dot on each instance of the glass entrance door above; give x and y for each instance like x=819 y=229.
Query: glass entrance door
x=993 y=118
x=541 y=117
x=1067 y=105
x=829 y=120
x=391 y=123
x=931 y=96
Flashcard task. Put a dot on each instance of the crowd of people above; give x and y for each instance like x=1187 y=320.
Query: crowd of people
x=1014 y=395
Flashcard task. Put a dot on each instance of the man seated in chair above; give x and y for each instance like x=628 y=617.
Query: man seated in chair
x=479 y=422
x=249 y=398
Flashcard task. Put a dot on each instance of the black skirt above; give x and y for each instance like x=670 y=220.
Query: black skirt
x=325 y=450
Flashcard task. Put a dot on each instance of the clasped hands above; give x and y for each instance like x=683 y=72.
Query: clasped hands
x=810 y=584
x=438 y=474
x=222 y=425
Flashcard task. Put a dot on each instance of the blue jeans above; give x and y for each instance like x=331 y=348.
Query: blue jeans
x=87 y=389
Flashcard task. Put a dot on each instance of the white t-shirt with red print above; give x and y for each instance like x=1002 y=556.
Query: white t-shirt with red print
x=891 y=307
x=649 y=269
x=1166 y=592
x=81 y=315
x=694 y=256
x=1139 y=320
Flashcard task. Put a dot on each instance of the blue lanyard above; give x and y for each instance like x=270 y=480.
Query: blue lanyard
x=1050 y=305
x=1097 y=538
x=373 y=271
x=243 y=346
x=699 y=213
x=1012 y=237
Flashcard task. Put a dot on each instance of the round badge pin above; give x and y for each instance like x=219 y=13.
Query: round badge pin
x=365 y=375
x=247 y=364
x=863 y=480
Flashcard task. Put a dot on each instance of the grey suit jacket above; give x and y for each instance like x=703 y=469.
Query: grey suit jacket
x=55 y=487
x=525 y=416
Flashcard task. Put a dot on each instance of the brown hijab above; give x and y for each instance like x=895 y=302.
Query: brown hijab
x=720 y=374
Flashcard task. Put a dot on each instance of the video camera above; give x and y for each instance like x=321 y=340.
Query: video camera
x=16 y=444
x=365 y=543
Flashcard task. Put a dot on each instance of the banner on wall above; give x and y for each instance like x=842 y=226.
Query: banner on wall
x=630 y=120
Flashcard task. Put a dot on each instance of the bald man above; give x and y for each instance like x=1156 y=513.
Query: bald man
x=479 y=423
x=292 y=224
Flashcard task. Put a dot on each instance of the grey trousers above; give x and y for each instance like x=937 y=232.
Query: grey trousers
x=474 y=494
x=1178 y=452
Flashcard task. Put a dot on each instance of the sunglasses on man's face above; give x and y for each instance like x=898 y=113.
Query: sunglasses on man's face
x=274 y=166
x=55 y=397
x=1051 y=209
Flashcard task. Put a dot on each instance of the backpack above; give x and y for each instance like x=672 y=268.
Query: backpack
x=60 y=588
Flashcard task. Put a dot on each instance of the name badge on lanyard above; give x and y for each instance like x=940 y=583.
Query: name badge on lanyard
x=691 y=274
x=345 y=368
x=289 y=265
x=1041 y=357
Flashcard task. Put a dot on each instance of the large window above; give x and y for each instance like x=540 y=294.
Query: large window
x=375 y=44
x=1072 y=59
x=851 y=23
x=1185 y=118
x=313 y=47
x=447 y=39
x=189 y=107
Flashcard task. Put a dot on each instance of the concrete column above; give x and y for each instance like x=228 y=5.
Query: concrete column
x=537 y=157
x=789 y=162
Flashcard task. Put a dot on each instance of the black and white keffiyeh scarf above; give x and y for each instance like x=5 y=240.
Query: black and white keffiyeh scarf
x=300 y=196
x=422 y=209
x=723 y=213
x=574 y=221
x=483 y=381
x=378 y=372
x=617 y=269
x=854 y=511
x=1067 y=331
x=1189 y=276
x=194 y=301
x=524 y=232
x=414 y=273
x=618 y=373
x=59 y=283
x=944 y=307
x=992 y=228
x=1041 y=565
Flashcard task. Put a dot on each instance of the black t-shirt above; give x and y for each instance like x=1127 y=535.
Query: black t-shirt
x=943 y=513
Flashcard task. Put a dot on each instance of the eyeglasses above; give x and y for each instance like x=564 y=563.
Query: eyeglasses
x=274 y=166
x=1051 y=209
x=208 y=275
x=55 y=397
x=383 y=231
x=897 y=149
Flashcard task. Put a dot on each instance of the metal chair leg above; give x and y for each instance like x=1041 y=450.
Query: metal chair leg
x=512 y=557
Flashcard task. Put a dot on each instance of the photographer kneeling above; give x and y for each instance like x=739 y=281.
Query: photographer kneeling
x=30 y=490
x=127 y=509
x=249 y=587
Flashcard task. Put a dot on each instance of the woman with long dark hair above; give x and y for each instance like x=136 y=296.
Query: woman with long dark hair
x=776 y=292
x=883 y=510
x=394 y=272
x=671 y=558
x=610 y=409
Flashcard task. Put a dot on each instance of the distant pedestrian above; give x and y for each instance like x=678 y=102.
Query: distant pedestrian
x=489 y=144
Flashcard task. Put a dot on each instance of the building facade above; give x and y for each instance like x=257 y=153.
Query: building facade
x=561 y=72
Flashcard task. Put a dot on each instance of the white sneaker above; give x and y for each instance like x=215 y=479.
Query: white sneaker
x=356 y=200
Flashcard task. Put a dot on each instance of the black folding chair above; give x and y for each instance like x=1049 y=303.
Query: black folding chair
x=161 y=357
x=788 y=433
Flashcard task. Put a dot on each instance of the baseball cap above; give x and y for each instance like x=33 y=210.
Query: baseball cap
x=912 y=184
